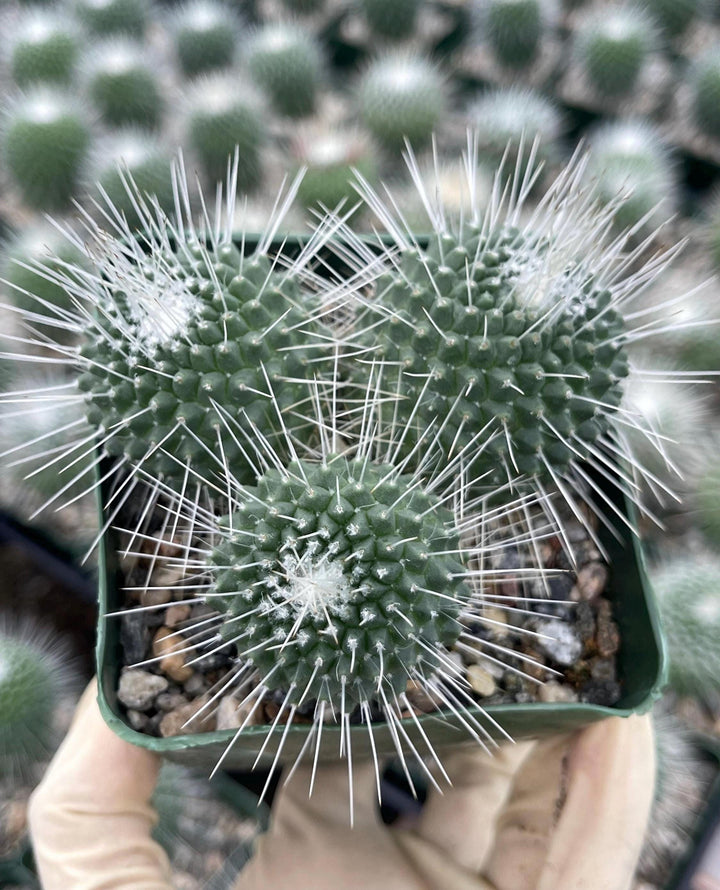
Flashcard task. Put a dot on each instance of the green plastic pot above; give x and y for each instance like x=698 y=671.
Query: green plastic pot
x=642 y=667
x=641 y=664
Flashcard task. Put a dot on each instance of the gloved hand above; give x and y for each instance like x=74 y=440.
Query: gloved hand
x=566 y=813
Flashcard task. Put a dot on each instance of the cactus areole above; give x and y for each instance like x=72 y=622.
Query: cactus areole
x=338 y=579
x=488 y=336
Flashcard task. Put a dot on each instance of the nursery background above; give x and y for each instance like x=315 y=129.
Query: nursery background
x=98 y=92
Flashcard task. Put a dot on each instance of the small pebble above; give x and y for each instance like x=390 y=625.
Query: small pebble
x=591 y=580
x=138 y=689
x=560 y=641
x=134 y=636
x=553 y=692
x=420 y=698
x=608 y=635
x=481 y=680
x=173 y=723
x=169 y=701
x=170 y=577
x=584 y=622
x=603 y=669
x=176 y=614
x=139 y=721
x=196 y=685
x=166 y=646
x=228 y=715
x=155 y=597
x=600 y=692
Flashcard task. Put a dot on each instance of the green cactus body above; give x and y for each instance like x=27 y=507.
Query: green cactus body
x=142 y=158
x=206 y=35
x=402 y=97
x=707 y=498
x=705 y=86
x=287 y=65
x=219 y=116
x=45 y=140
x=632 y=168
x=514 y=29
x=109 y=17
x=347 y=564
x=673 y=16
x=44 y=50
x=613 y=46
x=330 y=160
x=28 y=694
x=395 y=20
x=304 y=7
x=170 y=375
x=513 y=117
x=474 y=357
x=123 y=87
x=689 y=599
x=28 y=265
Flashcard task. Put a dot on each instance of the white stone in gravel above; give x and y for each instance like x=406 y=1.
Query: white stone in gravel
x=481 y=680
x=228 y=716
x=560 y=641
x=138 y=689
x=556 y=692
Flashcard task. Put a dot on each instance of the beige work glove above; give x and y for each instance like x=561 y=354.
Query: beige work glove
x=567 y=813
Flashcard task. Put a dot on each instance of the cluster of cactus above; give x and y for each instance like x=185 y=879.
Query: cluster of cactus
x=515 y=29
x=357 y=431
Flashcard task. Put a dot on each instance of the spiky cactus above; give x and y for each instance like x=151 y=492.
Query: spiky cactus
x=504 y=119
x=515 y=28
x=671 y=419
x=29 y=263
x=633 y=168
x=287 y=64
x=130 y=156
x=707 y=495
x=304 y=7
x=113 y=17
x=518 y=331
x=612 y=45
x=45 y=139
x=402 y=96
x=673 y=16
x=196 y=346
x=33 y=676
x=705 y=87
x=331 y=556
x=206 y=34
x=43 y=49
x=220 y=115
x=123 y=86
x=331 y=159
x=688 y=592
x=393 y=21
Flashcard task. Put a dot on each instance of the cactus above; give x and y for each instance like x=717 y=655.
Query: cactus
x=402 y=96
x=106 y=18
x=673 y=16
x=688 y=592
x=45 y=139
x=304 y=7
x=394 y=21
x=192 y=333
x=705 y=87
x=712 y=229
x=123 y=86
x=206 y=34
x=671 y=418
x=33 y=677
x=516 y=331
x=218 y=116
x=60 y=461
x=338 y=589
x=131 y=155
x=29 y=262
x=330 y=159
x=612 y=46
x=286 y=63
x=707 y=495
x=504 y=119
x=515 y=28
x=633 y=169
x=44 y=48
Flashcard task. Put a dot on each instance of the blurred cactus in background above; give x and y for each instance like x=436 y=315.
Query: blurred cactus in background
x=206 y=35
x=43 y=49
x=287 y=66
x=123 y=86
